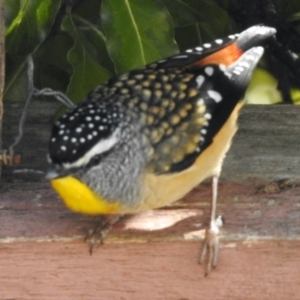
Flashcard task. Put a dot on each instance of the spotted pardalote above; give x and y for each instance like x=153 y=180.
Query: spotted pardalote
x=144 y=139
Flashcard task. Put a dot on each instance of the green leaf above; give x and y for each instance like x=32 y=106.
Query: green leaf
x=186 y=12
x=16 y=87
x=30 y=26
x=87 y=71
x=28 y=23
x=97 y=38
x=138 y=32
x=52 y=68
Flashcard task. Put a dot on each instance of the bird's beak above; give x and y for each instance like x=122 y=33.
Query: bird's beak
x=51 y=174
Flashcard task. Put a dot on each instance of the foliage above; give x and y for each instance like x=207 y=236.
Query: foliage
x=76 y=45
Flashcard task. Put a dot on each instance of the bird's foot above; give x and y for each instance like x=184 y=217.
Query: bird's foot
x=98 y=233
x=210 y=249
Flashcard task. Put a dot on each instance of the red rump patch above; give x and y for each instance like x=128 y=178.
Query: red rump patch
x=225 y=56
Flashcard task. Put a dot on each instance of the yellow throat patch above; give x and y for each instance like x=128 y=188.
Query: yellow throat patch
x=80 y=198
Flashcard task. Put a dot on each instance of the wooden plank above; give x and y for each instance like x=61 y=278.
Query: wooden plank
x=150 y=271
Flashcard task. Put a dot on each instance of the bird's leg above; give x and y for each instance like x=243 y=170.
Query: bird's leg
x=98 y=233
x=211 y=241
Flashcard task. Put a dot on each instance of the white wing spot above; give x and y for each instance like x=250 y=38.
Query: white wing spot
x=209 y=71
x=219 y=41
x=200 y=102
x=229 y=75
x=207 y=116
x=199 y=49
x=180 y=57
x=189 y=51
x=207 y=45
x=203 y=131
x=200 y=79
x=214 y=95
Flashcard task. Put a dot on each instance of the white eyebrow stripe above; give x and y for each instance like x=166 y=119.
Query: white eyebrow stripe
x=101 y=147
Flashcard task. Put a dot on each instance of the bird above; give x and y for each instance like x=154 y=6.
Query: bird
x=144 y=139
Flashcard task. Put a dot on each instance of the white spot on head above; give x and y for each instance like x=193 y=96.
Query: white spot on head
x=88 y=118
x=62 y=126
x=91 y=111
x=53 y=139
x=65 y=138
x=89 y=137
x=78 y=129
x=200 y=79
x=91 y=125
x=207 y=45
x=97 y=118
x=214 y=95
x=219 y=41
x=203 y=131
x=73 y=140
x=71 y=118
x=82 y=140
x=209 y=71
x=63 y=148
x=61 y=132
x=95 y=133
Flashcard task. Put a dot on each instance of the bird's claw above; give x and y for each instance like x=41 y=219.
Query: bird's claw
x=210 y=248
x=98 y=233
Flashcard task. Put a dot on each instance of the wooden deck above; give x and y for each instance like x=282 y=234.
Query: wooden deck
x=155 y=255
